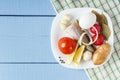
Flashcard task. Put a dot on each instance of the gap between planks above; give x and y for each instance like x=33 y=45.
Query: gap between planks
x=27 y=15
x=29 y=63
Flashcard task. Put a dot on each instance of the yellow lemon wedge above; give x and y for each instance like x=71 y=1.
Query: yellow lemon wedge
x=70 y=56
x=78 y=54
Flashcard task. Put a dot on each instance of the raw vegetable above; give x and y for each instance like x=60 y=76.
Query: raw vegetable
x=104 y=19
x=92 y=30
x=67 y=45
x=91 y=40
x=63 y=26
x=106 y=31
x=85 y=38
x=103 y=23
x=87 y=55
x=74 y=30
x=67 y=17
x=99 y=41
x=65 y=21
x=101 y=54
x=81 y=39
x=100 y=18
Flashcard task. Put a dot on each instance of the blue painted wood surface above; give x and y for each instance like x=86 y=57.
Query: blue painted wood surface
x=25 y=39
x=39 y=72
x=25 y=52
x=33 y=7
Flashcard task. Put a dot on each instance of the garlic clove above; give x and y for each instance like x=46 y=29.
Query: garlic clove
x=67 y=17
x=63 y=26
x=64 y=21
x=87 y=55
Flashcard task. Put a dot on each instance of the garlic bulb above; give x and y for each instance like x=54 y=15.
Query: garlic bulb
x=67 y=17
x=65 y=21
x=87 y=55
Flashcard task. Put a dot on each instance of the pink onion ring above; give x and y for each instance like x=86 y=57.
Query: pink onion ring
x=91 y=42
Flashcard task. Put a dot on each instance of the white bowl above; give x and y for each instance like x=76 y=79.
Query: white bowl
x=56 y=33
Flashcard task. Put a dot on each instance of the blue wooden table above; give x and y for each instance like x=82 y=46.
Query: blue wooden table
x=25 y=52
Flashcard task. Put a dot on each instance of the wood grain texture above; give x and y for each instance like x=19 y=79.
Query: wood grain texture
x=26 y=7
x=39 y=72
x=25 y=39
x=25 y=52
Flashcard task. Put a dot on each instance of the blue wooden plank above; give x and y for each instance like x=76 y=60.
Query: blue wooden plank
x=25 y=26
x=25 y=39
x=33 y=7
x=28 y=40
x=18 y=49
x=40 y=72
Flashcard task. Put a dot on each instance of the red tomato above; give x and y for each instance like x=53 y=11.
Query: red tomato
x=99 y=41
x=67 y=45
x=92 y=30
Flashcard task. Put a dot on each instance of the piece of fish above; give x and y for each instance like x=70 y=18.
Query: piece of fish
x=73 y=31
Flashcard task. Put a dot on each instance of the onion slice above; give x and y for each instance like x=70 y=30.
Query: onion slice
x=81 y=37
x=91 y=42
